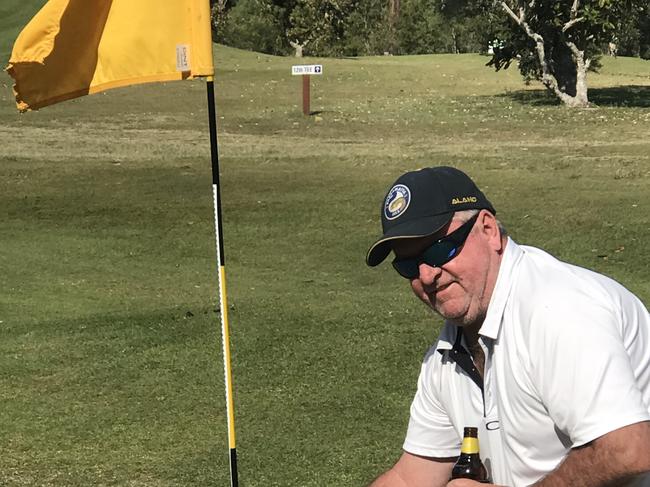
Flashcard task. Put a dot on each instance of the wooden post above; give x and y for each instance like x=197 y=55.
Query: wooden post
x=305 y=94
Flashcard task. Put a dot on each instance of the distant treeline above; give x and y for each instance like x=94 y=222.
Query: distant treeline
x=369 y=27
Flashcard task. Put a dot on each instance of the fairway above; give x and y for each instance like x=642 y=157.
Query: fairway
x=110 y=355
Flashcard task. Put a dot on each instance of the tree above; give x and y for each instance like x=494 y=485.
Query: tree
x=370 y=29
x=218 y=11
x=555 y=41
x=464 y=26
x=643 y=27
x=633 y=32
x=322 y=23
x=255 y=25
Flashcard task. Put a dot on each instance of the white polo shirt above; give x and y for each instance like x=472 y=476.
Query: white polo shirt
x=567 y=360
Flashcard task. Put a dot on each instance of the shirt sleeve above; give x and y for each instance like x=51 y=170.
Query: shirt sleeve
x=430 y=431
x=581 y=365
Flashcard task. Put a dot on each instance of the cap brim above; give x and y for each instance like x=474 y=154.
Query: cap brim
x=422 y=227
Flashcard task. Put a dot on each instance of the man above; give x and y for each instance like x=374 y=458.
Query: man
x=550 y=361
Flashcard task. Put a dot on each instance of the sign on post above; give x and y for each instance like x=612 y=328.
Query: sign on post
x=305 y=70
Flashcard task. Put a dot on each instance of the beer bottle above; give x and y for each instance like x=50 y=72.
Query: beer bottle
x=469 y=464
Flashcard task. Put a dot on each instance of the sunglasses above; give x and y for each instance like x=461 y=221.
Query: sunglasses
x=438 y=253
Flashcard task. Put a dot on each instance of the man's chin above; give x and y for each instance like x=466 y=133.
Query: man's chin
x=449 y=313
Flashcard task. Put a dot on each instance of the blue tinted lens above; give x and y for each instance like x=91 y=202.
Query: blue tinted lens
x=438 y=253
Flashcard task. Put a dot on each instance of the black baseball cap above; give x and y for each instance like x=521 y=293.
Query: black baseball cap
x=422 y=202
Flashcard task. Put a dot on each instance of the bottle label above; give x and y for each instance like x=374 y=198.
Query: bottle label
x=470 y=445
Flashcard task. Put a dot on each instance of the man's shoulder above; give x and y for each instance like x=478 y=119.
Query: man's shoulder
x=554 y=298
x=545 y=279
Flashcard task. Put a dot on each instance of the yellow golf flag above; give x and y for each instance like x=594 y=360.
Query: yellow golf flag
x=75 y=47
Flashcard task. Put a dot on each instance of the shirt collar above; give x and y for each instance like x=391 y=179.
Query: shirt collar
x=447 y=337
x=509 y=264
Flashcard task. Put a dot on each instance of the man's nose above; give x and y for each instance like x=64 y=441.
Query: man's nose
x=428 y=274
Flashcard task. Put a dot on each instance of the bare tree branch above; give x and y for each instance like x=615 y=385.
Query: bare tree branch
x=298 y=46
x=509 y=11
x=574 y=9
x=573 y=17
x=571 y=23
x=577 y=53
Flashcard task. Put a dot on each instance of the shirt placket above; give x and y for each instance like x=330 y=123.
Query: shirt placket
x=490 y=430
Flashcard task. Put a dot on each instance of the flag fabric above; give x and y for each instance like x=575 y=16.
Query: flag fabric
x=73 y=48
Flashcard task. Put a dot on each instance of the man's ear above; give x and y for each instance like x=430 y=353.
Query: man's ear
x=489 y=227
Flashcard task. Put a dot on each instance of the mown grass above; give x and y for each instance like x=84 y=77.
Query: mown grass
x=110 y=363
x=14 y=14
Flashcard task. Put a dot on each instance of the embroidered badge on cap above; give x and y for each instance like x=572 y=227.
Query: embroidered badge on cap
x=397 y=201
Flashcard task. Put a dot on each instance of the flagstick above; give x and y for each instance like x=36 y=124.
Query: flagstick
x=223 y=303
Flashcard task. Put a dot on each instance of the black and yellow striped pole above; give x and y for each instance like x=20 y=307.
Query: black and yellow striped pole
x=223 y=302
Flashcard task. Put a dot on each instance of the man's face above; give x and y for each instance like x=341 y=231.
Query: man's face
x=459 y=290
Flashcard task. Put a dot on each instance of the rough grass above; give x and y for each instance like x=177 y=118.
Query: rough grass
x=110 y=357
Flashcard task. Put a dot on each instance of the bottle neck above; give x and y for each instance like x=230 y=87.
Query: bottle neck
x=470 y=445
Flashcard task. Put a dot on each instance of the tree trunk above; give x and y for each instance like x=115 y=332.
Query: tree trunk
x=581 y=98
x=578 y=77
x=298 y=47
x=454 y=40
x=393 y=12
x=394 y=7
x=566 y=74
x=563 y=68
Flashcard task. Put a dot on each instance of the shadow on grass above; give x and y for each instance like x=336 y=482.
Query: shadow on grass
x=626 y=96
x=618 y=96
